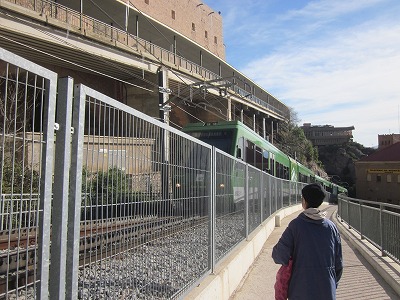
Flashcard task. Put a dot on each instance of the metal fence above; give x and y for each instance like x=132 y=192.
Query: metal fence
x=377 y=222
x=131 y=207
x=27 y=105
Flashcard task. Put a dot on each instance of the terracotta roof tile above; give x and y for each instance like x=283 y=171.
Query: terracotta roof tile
x=391 y=153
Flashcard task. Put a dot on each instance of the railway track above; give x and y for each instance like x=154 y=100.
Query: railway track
x=98 y=240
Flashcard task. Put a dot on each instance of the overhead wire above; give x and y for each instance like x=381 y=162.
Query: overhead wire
x=207 y=99
x=166 y=38
x=159 y=61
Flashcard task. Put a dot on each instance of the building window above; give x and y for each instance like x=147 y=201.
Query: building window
x=389 y=178
x=398 y=178
x=117 y=158
x=146 y=1
x=368 y=177
x=193 y=27
x=173 y=14
x=215 y=40
x=206 y=34
x=378 y=178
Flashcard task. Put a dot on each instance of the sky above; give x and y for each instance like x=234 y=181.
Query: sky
x=334 y=62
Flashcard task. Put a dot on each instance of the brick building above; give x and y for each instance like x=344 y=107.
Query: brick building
x=193 y=19
x=327 y=134
x=378 y=175
x=386 y=140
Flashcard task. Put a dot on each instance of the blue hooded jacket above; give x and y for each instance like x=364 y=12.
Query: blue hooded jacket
x=314 y=244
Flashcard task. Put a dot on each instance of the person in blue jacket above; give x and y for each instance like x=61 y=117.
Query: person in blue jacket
x=313 y=242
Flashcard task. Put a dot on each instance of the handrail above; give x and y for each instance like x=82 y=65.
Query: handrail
x=377 y=222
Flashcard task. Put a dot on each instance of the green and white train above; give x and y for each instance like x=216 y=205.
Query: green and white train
x=238 y=140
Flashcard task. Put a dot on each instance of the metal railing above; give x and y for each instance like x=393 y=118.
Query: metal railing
x=90 y=26
x=132 y=207
x=377 y=222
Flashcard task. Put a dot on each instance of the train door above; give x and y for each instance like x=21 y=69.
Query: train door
x=240 y=148
x=294 y=170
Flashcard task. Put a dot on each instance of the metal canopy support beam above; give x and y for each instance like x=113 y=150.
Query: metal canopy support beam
x=163 y=95
x=81 y=14
x=137 y=26
x=126 y=17
x=229 y=110
x=264 y=129
x=202 y=85
x=164 y=142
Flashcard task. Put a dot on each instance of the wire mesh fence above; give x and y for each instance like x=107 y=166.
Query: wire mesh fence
x=131 y=207
x=27 y=97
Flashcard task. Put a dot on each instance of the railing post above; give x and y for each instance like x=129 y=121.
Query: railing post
x=348 y=213
x=360 y=212
x=381 y=228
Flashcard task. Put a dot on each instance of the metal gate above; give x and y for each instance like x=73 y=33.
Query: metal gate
x=27 y=118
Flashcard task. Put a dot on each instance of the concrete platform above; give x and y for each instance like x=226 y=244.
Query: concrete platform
x=360 y=278
x=248 y=273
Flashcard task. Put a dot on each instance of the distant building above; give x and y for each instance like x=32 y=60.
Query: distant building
x=193 y=19
x=385 y=140
x=324 y=135
x=378 y=175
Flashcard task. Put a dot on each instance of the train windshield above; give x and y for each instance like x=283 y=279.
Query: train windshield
x=220 y=139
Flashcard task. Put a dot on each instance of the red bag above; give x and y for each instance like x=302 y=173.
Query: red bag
x=282 y=281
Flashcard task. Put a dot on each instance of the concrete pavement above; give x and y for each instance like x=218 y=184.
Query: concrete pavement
x=360 y=280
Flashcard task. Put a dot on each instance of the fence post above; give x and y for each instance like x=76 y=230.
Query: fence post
x=75 y=197
x=46 y=189
x=269 y=195
x=2 y=202
x=61 y=189
x=246 y=201
x=212 y=210
x=261 y=196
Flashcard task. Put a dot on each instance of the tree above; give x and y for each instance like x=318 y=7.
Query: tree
x=292 y=140
x=19 y=103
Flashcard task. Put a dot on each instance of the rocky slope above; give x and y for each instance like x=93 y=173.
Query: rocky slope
x=338 y=162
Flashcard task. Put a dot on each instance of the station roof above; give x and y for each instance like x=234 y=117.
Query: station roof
x=391 y=153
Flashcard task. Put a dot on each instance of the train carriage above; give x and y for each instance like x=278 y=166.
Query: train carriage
x=238 y=140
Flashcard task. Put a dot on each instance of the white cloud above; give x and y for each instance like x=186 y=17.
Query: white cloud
x=333 y=61
x=345 y=77
x=328 y=9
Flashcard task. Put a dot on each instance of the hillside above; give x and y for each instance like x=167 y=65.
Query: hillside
x=338 y=162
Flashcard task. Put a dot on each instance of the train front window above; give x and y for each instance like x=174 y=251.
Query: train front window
x=220 y=139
